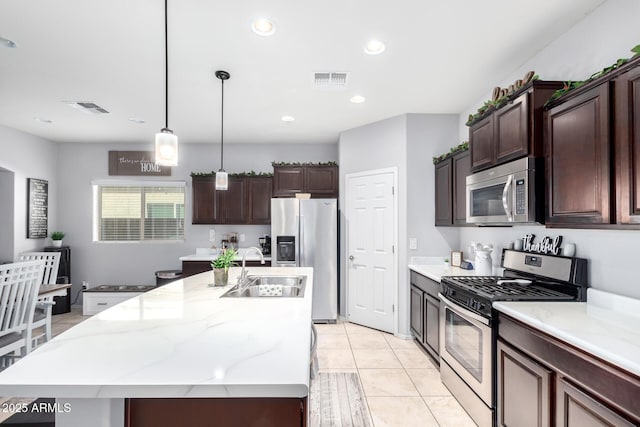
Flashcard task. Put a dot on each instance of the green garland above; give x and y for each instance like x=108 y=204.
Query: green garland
x=571 y=85
x=491 y=105
x=331 y=163
x=464 y=146
x=236 y=174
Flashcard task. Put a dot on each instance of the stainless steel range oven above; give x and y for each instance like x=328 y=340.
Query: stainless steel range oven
x=468 y=325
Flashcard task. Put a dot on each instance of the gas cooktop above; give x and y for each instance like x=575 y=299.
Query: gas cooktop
x=120 y=288
x=495 y=288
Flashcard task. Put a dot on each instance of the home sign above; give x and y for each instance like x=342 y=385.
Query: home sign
x=136 y=163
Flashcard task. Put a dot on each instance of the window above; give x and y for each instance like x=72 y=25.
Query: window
x=138 y=211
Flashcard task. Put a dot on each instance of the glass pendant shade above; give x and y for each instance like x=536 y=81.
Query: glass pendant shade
x=166 y=148
x=222 y=180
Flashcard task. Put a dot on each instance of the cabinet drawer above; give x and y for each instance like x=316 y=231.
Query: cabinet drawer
x=431 y=287
x=95 y=302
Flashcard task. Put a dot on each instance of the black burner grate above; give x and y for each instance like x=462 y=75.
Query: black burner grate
x=488 y=287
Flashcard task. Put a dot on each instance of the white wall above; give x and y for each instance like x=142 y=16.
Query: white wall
x=7 y=184
x=135 y=263
x=28 y=156
x=408 y=143
x=594 y=43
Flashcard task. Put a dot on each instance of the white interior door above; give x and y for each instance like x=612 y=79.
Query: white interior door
x=371 y=256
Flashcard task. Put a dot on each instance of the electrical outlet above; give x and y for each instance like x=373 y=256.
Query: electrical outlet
x=85 y=285
x=212 y=235
x=413 y=243
x=242 y=237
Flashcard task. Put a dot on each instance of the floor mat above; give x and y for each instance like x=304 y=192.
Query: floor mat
x=336 y=399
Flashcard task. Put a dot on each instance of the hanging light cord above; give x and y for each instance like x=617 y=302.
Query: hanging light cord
x=166 y=69
x=222 y=129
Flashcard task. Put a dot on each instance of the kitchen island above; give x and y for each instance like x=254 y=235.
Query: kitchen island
x=181 y=343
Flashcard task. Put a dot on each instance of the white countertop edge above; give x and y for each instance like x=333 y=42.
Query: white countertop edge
x=194 y=257
x=618 y=351
x=438 y=271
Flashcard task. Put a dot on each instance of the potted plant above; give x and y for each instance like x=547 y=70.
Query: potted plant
x=221 y=266
x=56 y=238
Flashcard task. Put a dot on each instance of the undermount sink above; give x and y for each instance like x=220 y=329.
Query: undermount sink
x=269 y=286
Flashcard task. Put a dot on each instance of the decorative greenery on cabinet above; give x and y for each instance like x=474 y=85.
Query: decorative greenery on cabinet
x=463 y=146
x=236 y=174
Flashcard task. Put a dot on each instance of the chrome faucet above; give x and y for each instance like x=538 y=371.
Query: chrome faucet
x=243 y=273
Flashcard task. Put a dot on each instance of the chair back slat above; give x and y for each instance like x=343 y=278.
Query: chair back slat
x=52 y=264
x=19 y=286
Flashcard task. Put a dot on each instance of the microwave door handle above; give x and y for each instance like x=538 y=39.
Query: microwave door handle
x=506 y=199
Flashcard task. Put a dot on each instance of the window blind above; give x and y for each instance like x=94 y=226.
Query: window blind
x=132 y=212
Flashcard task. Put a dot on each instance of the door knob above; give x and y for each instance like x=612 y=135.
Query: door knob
x=351 y=257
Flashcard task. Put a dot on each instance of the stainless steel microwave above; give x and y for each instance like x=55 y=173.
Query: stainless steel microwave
x=506 y=194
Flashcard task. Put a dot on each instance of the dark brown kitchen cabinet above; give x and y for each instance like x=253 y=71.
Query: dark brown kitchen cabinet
x=539 y=374
x=319 y=180
x=627 y=145
x=514 y=129
x=444 y=192
x=259 y=199
x=246 y=201
x=450 y=189
x=189 y=268
x=577 y=154
x=524 y=390
x=424 y=313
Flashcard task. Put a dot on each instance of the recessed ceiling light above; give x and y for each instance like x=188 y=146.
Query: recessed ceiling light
x=374 y=47
x=357 y=99
x=263 y=27
x=287 y=118
x=42 y=120
x=135 y=120
x=7 y=43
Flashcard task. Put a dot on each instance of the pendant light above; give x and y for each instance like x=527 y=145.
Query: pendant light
x=222 y=178
x=166 y=141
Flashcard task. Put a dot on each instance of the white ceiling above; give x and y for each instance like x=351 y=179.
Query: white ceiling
x=441 y=56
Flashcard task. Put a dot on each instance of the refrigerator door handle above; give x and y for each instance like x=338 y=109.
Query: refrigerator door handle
x=301 y=242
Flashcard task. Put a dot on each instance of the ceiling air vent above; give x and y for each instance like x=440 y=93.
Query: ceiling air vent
x=330 y=80
x=87 y=107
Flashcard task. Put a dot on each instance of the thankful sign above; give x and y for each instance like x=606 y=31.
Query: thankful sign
x=545 y=246
x=136 y=163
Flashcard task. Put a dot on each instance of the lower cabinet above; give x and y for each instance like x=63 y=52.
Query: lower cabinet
x=542 y=381
x=189 y=268
x=524 y=390
x=205 y=412
x=424 y=313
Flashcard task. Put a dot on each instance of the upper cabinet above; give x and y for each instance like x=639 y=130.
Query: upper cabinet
x=592 y=157
x=450 y=194
x=247 y=201
x=577 y=149
x=512 y=130
x=627 y=145
x=319 y=180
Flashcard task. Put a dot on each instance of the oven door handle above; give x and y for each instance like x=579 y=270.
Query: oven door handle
x=463 y=312
x=506 y=199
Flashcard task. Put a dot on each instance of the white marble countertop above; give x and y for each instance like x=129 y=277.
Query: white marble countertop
x=252 y=256
x=605 y=326
x=179 y=340
x=437 y=271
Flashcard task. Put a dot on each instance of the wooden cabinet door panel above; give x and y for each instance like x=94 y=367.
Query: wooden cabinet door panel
x=203 y=201
x=234 y=205
x=443 y=199
x=461 y=168
x=321 y=181
x=524 y=390
x=416 y=313
x=288 y=181
x=577 y=154
x=511 y=130
x=627 y=134
x=432 y=322
x=481 y=144
x=259 y=198
x=575 y=408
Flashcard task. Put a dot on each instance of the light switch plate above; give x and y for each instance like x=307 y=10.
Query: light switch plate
x=242 y=237
x=413 y=243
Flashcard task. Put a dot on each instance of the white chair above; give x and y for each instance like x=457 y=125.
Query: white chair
x=42 y=315
x=19 y=286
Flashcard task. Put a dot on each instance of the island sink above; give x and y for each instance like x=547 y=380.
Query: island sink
x=269 y=286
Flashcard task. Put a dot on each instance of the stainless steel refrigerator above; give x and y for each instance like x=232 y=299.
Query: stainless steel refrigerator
x=304 y=233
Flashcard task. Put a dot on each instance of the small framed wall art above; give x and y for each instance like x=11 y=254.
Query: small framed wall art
x=456 y=259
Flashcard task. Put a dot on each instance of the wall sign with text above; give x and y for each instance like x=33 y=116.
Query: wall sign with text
x=136 y=163
x=37 y=208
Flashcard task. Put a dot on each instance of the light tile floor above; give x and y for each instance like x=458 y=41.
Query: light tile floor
x=401 y=384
